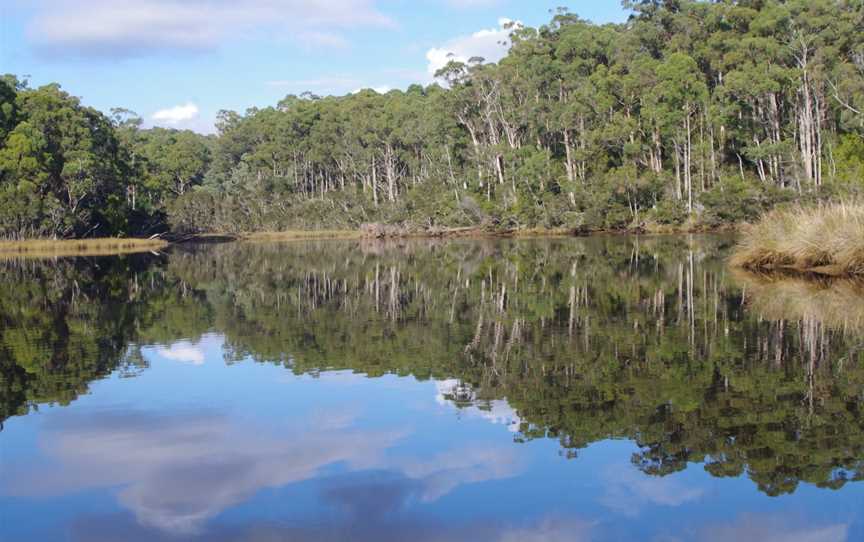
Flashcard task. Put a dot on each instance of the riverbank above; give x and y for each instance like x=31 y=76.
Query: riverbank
x=79 y=247
x=826 y=240
x=112 y=246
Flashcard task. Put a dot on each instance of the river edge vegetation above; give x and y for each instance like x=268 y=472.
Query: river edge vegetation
x=107 y=246
x=691 y=115
x=827 y=239
x=79 y=247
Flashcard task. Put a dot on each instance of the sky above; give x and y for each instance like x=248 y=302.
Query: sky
x=178 y=62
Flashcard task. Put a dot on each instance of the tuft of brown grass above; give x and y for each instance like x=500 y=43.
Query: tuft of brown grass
x=826 y=239
x=47 y=248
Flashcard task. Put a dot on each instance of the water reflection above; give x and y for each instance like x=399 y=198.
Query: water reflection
x=178 y=469
x=182 y=351
x=579 y=343
x=627 y=492
x=462 y=398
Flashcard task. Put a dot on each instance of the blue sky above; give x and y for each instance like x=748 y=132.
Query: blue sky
x=178 y=62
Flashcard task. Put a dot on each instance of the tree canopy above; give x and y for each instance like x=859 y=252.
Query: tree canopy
x=692 y=113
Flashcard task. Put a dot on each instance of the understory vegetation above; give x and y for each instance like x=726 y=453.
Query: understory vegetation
x=692 y=114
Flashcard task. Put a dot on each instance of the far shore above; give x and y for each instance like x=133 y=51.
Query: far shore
x=106 y=246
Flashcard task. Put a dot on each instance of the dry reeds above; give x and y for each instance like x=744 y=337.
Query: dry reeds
x=78 y=247
x=826 y=239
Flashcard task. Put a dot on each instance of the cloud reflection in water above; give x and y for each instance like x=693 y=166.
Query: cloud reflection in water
x=177 y=471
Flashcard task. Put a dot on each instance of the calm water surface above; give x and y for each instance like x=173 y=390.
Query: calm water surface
x=578 y=389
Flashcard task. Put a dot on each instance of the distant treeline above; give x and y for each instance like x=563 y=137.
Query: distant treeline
x=690 y=114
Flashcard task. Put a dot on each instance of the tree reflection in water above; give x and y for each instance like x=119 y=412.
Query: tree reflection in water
x=580 y=340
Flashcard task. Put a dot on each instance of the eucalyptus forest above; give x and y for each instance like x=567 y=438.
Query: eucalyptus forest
x=690 y=115
x=605 y=285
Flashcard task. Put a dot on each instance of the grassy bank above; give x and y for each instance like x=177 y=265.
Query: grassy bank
x=78 y=247
x=827 y=239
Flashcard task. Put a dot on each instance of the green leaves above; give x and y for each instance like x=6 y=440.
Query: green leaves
x=682 y=97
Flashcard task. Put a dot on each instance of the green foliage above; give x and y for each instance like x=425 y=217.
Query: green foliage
x=734 y=200
x=580 y=126
x=670 y=212
x=62 y=161
x=69 y=171
x=583 y=126
x=849 y=157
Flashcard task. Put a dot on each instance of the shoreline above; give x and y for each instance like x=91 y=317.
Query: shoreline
x=829 y=271
x=58 y=248
x=108 y=246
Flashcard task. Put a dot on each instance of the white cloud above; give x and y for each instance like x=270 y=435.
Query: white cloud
x=182 y=351
x=120 y=28
x=176 y=470
x=490 y=44
x=176 y=115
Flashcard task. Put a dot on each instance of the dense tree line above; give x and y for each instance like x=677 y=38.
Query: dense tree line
x=67 y=170
x=690 y=113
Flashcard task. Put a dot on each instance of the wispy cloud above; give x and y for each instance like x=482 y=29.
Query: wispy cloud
x=177 y=470
x=122 y=28
x=490 y=44
x=628 y=491
x=176 y=115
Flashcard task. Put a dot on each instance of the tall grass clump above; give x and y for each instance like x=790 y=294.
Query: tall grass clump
x=827 y=238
